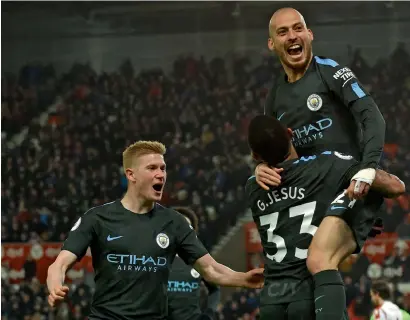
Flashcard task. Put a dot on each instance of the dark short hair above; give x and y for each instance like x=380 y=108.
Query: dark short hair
x=382 y=288
x=268 y=139
x=190 y=214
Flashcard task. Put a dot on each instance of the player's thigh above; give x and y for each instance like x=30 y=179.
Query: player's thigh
x=301 y=310
x=361 y=223
x=273 y=311
x=361 y=219
x=333 y=242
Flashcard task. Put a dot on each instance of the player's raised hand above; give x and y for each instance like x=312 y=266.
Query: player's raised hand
x=360 y=183
x=254 y=278
x=57 y=295
x=266 y=176
x=357 y=190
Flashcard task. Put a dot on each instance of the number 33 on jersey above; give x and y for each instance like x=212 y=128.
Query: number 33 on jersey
x=306 y=211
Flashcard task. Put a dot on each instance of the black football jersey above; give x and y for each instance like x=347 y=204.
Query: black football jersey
x=288 y=216
x=317 y=108
x=132 y=255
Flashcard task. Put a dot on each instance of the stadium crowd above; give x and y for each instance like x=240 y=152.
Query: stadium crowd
x=73 y=161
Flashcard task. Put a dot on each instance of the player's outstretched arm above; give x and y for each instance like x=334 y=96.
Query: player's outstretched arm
x=56 y=275
x=389 y=185
x=217 y=273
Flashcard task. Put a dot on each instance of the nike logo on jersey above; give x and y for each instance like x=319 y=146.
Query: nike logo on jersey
x=319 y=298
x=280 y=117
x=336 y=207
x=109 y=238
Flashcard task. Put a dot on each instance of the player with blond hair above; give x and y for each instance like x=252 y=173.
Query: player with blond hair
x=133 y=243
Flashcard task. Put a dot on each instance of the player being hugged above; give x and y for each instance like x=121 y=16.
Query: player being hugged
x=184 y=284
x=327 y=108
x=133 y=243
x=289 y=216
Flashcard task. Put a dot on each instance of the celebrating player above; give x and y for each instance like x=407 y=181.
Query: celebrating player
x=380 y=294
x=289 y=216
x=133 y=243
x=318 y=99
x=184 y=285
x=327 y=109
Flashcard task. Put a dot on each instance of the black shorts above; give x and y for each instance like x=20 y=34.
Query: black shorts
x=297 y=310
x=361 y=217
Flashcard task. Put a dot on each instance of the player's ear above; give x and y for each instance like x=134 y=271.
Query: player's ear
x=310 y=32
x=129 y=173
x=290 y=132
x=255 y=156
x=271 y=44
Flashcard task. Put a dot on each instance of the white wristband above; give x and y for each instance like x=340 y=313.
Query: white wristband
x=365 y=175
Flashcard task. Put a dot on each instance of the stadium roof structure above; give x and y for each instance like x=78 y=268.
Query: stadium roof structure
x=94 y=18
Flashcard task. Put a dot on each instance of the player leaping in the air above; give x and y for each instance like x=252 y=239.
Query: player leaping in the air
x=288 y=216
x=328 y=109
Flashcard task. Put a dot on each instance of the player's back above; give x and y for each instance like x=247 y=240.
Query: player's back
x=184 y=284
x=287 y=218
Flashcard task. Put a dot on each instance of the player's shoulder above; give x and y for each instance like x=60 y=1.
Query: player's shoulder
x=331 y=69
x=322 y=162
x=325 y=62
x=323 y=156
x=102 y=209
x=168 y=214
x=251 y=185
x=165 y=211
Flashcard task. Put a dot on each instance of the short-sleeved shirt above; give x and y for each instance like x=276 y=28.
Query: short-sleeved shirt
x=132 y=255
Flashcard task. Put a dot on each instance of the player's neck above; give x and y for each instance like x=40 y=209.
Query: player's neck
x=381 y=302
x=293 y=154
x=294 y=75
x=136 y=204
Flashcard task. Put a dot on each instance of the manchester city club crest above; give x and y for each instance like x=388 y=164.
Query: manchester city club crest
x=162 y=240
x=314 y=102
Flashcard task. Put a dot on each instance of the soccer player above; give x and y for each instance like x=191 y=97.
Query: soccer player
x=288 y=216
x=328 y=109
x=133 y=243
x=380 y=294
x=184 y=284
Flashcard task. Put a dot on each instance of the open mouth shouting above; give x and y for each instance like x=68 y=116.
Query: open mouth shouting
x=295 y=51
x=158 y=187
